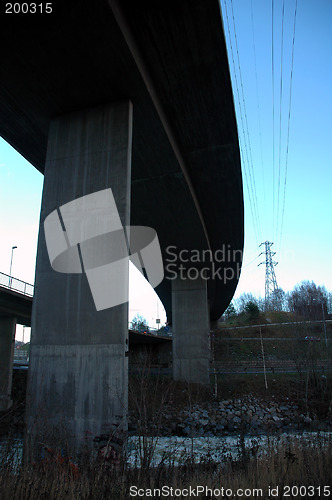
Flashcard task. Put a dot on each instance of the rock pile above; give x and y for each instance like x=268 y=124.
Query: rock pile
x=248 y=415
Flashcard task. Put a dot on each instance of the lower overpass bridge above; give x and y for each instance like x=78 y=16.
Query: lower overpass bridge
x=15 y=307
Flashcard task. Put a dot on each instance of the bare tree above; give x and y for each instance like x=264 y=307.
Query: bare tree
x=308 y=300
x=243 y=300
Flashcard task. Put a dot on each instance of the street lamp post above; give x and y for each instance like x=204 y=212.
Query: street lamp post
x=324 y=323
x=10 y=269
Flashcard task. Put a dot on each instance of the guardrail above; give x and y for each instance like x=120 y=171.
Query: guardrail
x=16 y=285
x=20 y=355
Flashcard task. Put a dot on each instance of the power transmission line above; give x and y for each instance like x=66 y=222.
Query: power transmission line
x=258 y=105
x=245 y=139
x=288 y=124
x=244 y=135
x=279 y=197
x=273 y=134
x=251 y=167
x=280 y=110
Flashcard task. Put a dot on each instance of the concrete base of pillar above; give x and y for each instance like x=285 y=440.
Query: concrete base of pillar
x=7 y=341
x=79 y=397
x=191 y=352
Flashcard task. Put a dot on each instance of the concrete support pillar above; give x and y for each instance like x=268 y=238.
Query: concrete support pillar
x=7 y=340
x=78 y=373
x=191 y=353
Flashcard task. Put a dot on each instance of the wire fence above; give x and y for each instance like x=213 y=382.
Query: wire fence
x=16 y=285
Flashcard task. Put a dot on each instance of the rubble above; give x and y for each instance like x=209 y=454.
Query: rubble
x=248 y=415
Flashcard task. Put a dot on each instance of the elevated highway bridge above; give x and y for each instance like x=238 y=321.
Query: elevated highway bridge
x=134 y=97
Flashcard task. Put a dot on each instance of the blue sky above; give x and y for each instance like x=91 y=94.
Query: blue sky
x=304 y=246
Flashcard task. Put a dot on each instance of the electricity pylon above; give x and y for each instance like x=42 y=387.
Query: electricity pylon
x=270 y=277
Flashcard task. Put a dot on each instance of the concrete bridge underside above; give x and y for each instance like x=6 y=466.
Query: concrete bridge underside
x=135 y=97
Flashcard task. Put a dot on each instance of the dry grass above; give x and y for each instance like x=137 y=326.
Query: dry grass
x=294 y=463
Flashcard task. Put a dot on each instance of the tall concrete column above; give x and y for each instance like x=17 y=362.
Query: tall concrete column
x=7 y=340
x=78 y=373
x=191 y=353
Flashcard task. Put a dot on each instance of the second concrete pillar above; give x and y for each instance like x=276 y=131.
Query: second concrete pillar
x=191 y=353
